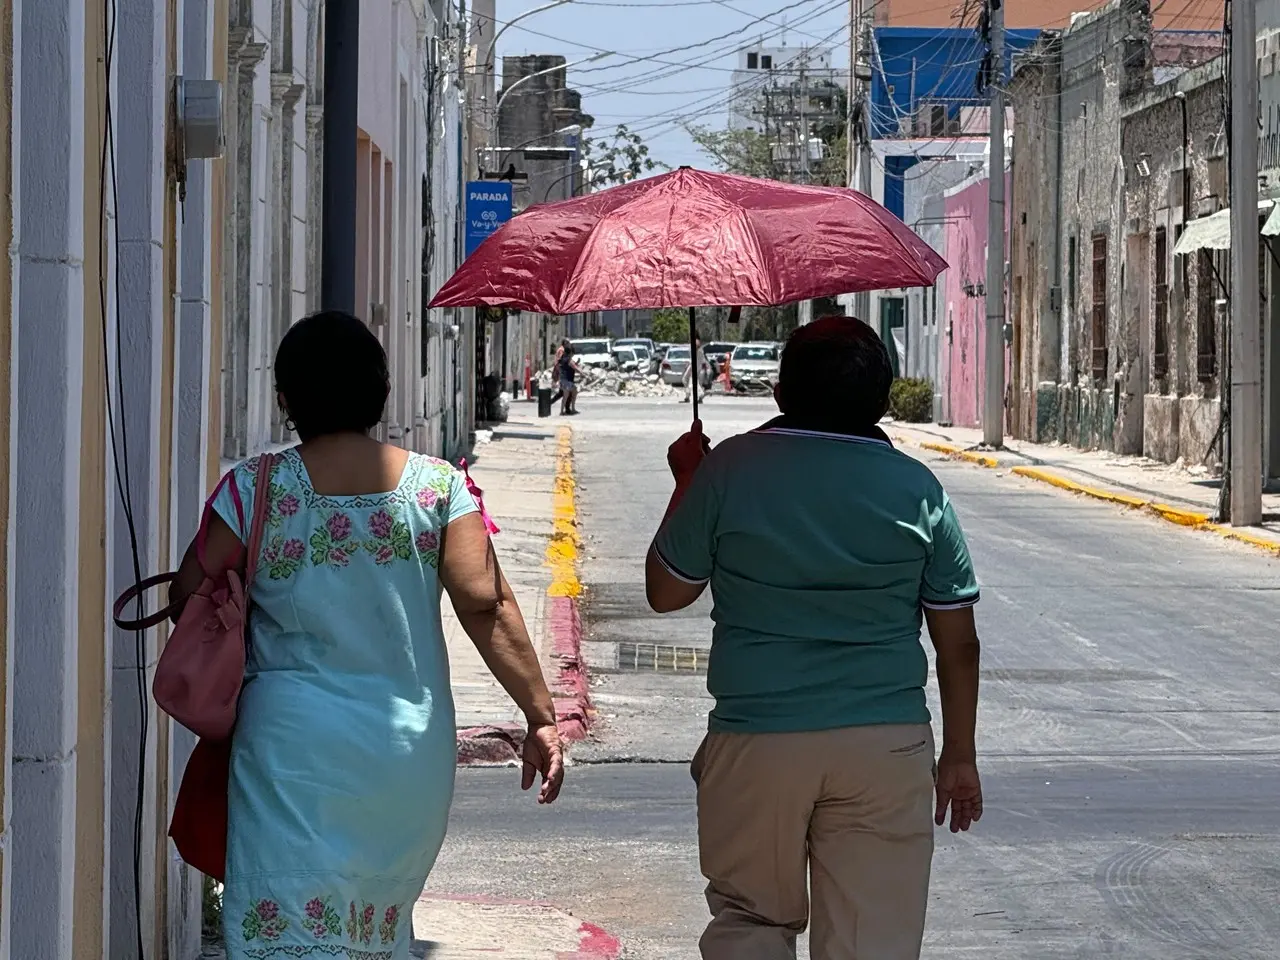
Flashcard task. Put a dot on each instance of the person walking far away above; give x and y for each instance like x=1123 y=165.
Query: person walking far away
x=555 y=369
x=344 y=752
x=699 y=363
x=568 y=373
x=824 y=548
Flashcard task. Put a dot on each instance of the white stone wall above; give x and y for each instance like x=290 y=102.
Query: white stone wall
x=410 y=116
x=272 y=205
x=47 y=370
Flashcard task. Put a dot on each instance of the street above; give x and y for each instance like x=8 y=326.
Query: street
x=1126 y=733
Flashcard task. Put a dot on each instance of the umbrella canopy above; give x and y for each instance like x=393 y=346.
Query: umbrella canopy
x=690 y=239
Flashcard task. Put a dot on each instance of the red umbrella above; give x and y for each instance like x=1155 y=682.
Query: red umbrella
x=691 y=239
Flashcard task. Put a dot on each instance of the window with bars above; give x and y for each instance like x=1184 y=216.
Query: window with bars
x=1206 y=318
x=1099 y=353
x=1160 y=348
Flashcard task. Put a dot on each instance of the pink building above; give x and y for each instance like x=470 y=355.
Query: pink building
x=963 y=362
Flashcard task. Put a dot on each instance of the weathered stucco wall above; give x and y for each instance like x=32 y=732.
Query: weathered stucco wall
x=1160 y=204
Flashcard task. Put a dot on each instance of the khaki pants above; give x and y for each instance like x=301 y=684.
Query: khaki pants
x=846 y=814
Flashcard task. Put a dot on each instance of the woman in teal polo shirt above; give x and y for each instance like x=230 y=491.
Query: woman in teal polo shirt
x=825 y=549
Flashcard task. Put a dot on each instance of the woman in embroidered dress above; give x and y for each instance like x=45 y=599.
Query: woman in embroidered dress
x=344 y=752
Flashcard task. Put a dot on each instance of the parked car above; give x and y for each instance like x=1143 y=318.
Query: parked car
x=628 y=359
x=593 y=353
x=646 y=353
x=753 y=367
x=676 y=363
x=637 y=342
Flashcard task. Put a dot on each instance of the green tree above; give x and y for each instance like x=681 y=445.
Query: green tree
x=744 y=152
x=749 y=153
x=619 y=157
x=671 y=325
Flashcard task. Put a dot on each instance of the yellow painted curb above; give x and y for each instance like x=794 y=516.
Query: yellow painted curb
x=1231 y=533
x=1177 y=515
x=562 y=548
x=945 y=448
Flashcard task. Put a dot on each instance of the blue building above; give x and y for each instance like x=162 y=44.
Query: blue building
x=924 y=88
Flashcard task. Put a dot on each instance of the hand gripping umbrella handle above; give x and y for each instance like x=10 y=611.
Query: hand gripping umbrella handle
x=695 y=369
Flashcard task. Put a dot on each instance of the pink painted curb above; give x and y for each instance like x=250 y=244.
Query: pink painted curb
x=502 y=743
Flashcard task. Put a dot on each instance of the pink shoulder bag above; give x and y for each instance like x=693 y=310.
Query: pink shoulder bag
x=201 y=668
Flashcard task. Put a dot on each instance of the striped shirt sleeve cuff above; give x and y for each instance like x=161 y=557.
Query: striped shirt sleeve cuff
x=957 y=603
x=676 y=572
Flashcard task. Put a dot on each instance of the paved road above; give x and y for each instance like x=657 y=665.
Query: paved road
x=1128 y=732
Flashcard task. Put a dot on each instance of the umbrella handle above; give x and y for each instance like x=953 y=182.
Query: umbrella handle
x=695 y=367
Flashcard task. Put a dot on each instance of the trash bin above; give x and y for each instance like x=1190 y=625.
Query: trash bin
x=544 y=401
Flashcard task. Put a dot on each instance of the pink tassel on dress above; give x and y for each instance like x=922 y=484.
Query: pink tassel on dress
x=478 y=495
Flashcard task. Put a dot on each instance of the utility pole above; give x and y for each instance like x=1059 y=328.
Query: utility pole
x=804 y=118
x=338 y=210
x=993 y=400
x=1246 y=352
x=858 y=126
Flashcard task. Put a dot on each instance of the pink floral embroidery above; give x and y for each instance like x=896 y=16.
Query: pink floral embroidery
x=339 y=527
x=263 y=922
x=283 y=558
x=428 y=544
x=390 y=921
x=380 y=525
x=288 y=505
x=389 y=538
x=427 y=498
x=321 y=919
x=332 y=544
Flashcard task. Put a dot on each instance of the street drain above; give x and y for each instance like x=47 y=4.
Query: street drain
x=660 y=658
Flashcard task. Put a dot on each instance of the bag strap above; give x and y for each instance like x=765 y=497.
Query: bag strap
x=132 y=593
x=260 y=508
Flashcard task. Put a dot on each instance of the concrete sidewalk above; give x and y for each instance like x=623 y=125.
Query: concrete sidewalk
x=1187 y=496
x=454 y=928
x=525 y=469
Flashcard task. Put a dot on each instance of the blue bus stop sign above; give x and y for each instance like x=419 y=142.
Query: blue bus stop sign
x=488 y=207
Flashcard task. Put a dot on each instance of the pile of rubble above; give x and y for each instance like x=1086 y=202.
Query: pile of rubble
x=615 y=383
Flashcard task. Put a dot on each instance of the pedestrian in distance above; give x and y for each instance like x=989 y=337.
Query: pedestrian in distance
x=344 y=750
x=569 y=371
x=826 y=550
x=699 y=364
x=555 y=368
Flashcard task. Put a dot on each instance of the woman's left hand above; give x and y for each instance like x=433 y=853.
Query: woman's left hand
x=543 y=755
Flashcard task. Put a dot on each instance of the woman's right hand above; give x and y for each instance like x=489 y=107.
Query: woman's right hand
x=543 y=755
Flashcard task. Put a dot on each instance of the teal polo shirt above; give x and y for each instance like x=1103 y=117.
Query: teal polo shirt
x=822 y=550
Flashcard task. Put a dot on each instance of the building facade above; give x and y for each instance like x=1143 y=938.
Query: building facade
x=1067 y=108
x=138 y=314
x=1057 y=14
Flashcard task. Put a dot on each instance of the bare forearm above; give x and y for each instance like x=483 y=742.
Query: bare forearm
x=501 y=637
x=958 y=687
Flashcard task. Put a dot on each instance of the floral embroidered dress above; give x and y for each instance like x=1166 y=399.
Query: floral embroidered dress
x=343 y=757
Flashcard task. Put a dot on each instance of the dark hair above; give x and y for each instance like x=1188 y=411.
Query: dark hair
x=332 y=373
x=835 y=374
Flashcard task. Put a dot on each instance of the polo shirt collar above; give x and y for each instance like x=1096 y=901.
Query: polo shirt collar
x=787 y=426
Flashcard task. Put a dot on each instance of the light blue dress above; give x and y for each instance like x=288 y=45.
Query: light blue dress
x=343 y=757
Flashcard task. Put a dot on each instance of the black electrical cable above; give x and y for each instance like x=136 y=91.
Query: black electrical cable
x=108 y=178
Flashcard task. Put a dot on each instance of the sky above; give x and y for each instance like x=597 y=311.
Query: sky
x=672 y=58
